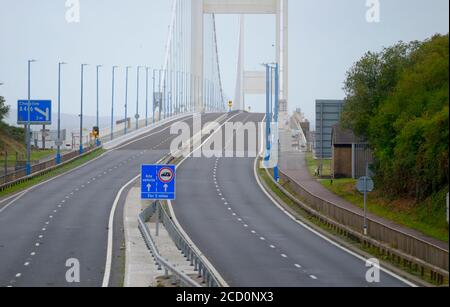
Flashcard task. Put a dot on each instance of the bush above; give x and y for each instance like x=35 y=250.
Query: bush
x=398 y=100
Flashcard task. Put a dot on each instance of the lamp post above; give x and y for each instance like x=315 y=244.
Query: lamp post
x=268 y=115
x=126 y=99
x=154 y=98
x=58 y=153
x=97 y=141
x=28 y=128
x=146 y=96
x=276 y=117
x=137 y=97
x=81 y=109
x=112 y=101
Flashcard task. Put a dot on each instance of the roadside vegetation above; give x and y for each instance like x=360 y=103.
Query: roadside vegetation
x=397 y=99
x=55 y=172
x=403 y=211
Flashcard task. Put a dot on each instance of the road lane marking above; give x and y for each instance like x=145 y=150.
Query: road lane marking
x=407 y=282
x=108 y=264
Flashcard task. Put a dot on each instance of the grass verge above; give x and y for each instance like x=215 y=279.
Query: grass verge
x=428 y=217
x=57 y=171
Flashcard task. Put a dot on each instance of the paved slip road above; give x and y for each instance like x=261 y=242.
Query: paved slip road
x=68 y=217
x=249 y=240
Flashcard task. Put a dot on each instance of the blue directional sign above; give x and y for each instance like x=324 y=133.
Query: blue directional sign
x=158 y=182
x=40 y=112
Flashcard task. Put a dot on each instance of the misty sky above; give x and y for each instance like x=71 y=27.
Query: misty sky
x=326 y=37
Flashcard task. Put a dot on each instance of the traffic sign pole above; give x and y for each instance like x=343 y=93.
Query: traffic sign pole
x=365 y=206
x=365 y=199
x=365 y=185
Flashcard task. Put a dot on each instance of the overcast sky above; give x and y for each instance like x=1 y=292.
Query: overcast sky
x=325 y=38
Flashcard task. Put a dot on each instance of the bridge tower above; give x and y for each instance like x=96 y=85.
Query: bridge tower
x=250 y=82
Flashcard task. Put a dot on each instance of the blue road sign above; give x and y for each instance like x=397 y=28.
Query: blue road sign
x=40 y=112
x=158 y=182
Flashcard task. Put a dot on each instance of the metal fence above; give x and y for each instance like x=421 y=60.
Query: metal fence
x=39 y=169
x=414 y=248
x=182 y=244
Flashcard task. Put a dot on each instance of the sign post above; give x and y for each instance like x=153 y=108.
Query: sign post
x=365 y=185
x=158 y=182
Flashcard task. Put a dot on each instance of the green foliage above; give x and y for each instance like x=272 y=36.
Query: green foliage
x=398 y=100
x=4 y=109
x=8 y=132
x=16 y=133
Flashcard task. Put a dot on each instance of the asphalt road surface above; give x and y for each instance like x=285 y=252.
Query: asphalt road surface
x=248 y=239
x=67 y=218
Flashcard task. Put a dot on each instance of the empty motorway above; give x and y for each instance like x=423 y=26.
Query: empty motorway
x=67 y=218
x=248 y=239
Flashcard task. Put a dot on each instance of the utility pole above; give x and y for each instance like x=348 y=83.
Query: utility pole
x=98 y=122
x=112 y=101
x=81 y=111
x=28 y=126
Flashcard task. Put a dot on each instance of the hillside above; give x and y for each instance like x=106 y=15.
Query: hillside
x=9 y=139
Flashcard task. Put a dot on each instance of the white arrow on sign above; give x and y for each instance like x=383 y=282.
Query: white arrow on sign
x=46 y=113
x=149 y=187
x=165 y=188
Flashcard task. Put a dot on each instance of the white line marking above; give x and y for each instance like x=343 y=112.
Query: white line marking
x=298 y=266
x=272 y=246
x=313 y=277
x=108 y=264
x=18 y=275
x=284 y=255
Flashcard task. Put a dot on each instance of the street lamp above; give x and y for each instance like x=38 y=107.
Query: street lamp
x=146 y=96
x=126 y=99
x=137 y=98
x=112 y=101
x=59 y=142
x=28 y=128
x=81 y=113
x=98 y=123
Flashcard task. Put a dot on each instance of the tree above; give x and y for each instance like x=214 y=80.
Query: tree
x=398 y=99
x=4 y=109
